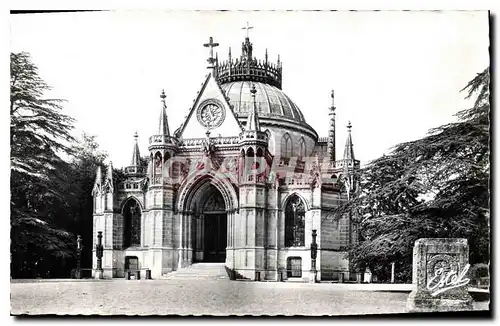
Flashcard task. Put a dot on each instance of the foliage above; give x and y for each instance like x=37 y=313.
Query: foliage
x=37 y=126
x=50 y=196
x=437 y=186
x=40 y=134
x=79 y=193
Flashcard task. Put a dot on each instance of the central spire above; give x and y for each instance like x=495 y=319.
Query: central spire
x=163 y=125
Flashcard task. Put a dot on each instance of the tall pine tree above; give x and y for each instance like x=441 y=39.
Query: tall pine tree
x=40 y=134
x=437 y=186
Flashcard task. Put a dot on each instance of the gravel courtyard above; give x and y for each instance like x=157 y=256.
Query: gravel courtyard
x=188 y=297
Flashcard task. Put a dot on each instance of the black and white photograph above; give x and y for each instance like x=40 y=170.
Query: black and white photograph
x=250 y=163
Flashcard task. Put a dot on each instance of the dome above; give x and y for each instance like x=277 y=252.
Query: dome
x=271 y=101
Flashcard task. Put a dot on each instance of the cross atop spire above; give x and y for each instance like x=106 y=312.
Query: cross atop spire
x=248 y=28
x=211 y=44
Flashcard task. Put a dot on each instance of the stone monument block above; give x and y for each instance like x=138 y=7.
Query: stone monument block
x=440 y=270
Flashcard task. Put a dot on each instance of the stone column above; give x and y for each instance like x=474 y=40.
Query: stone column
x=181 y=239
x=143 y=230
x=185 y=239
x=190 y=240
x=440 y=270
x=202 y=236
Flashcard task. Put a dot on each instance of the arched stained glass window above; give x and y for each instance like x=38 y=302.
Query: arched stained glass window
x=295 y=213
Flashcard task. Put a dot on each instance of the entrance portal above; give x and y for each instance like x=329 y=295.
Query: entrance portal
x=215 y=237
x=210 y=226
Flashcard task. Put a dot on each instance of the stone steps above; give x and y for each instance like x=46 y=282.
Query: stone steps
x=199 y=271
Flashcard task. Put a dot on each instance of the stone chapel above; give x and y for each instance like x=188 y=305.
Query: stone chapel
x=243 y=181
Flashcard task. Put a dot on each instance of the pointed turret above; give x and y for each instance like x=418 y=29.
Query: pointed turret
x=253 y=118
x=331 y=130
x=348 y=150
x=98 y=181
x=98 y=176
x=163 y=125
x=109 y=172
x=108 y=182
x=136 y=156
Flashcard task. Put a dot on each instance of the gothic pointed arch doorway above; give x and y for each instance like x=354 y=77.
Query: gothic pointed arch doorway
x=210 y=228
x=207 y=204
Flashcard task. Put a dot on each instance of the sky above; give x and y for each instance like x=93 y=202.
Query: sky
x=395 y=74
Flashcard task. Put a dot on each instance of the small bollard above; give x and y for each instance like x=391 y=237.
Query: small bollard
x=358 y=277
x=148 y=274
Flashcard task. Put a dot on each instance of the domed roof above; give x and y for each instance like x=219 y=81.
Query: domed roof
x=271 y=101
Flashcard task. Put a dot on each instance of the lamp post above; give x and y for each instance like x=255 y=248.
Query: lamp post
x=314 y=253
x=99 y=252
x=78 y=256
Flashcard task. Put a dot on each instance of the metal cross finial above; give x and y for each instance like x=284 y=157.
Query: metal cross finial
x=211 y=44
x=136 y=135
x=349 y=125
x=248 y=27
x=163 y=96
